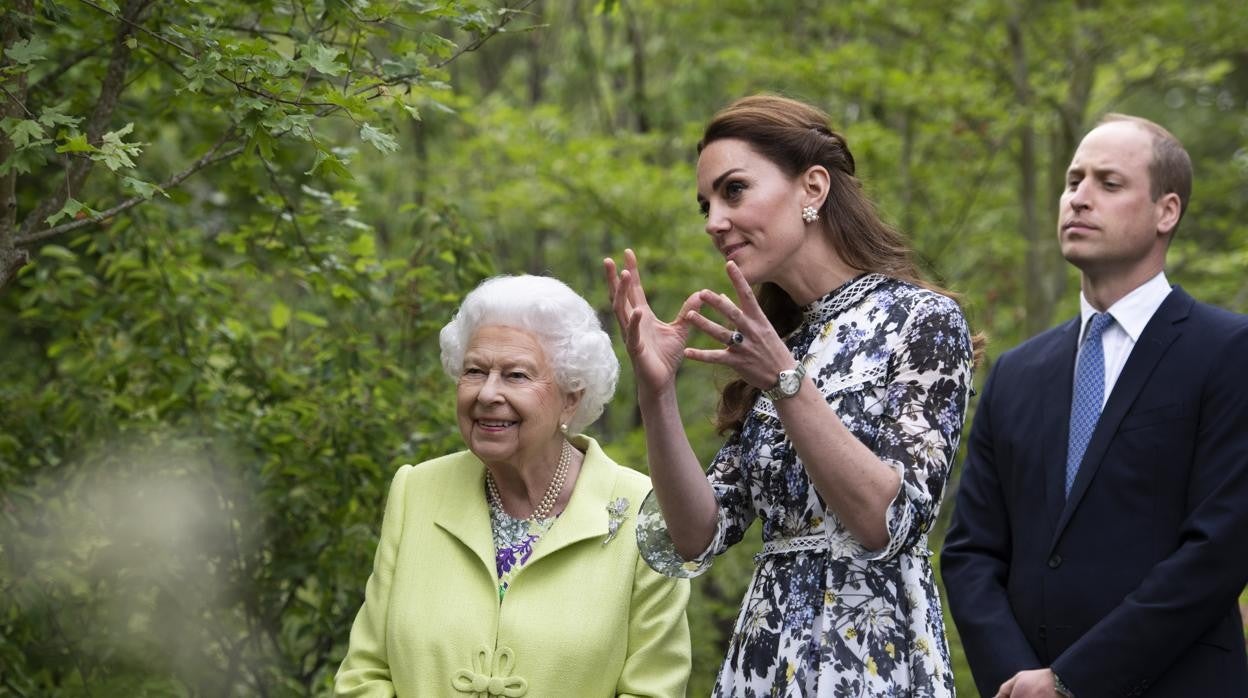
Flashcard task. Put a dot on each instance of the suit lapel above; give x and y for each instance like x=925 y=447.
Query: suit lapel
x=467 y=516
x=1158 y=335
x=585 y=516
x=1055 y=430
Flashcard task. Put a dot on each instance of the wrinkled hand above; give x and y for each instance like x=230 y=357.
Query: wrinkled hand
x=1034 y=683
x=654 y=347
x=761 y=355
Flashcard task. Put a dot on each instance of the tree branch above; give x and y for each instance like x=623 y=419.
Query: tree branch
x=190 y=54
x=128 y=20
x=508 y=14
x=209 y=158
x=10 y=256
x=64 y=67
x=17 y=101
x=110 y=92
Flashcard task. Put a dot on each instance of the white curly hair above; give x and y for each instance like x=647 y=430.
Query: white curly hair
x=578 y=349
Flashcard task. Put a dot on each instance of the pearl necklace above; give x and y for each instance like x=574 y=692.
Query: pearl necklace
x=553 y=490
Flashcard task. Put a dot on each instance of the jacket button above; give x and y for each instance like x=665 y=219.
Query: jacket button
x=1055 y=561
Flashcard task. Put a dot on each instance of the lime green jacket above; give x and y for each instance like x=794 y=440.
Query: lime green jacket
x=584 y=618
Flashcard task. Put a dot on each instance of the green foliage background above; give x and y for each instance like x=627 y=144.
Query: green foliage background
x=230 y=231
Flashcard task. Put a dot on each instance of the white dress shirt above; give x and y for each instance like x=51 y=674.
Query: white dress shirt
x=1131 y=313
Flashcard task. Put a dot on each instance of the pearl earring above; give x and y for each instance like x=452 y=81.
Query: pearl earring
x=809 y=214
x=563 y=428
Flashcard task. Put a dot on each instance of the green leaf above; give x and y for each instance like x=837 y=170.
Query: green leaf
x=323 y=59
x=144 y=189
x=22 y=131
x=262 y=141
x=26 y=51
x=76 y=143
x=352 y=103
x=344 y=292
x=380 y=139
x=55 y=115
x=57 y=252
x=329 y=164
x=311 y=319
x=59 y=346
x=279 y=315
x=346 y=199
x=71 y=208
x=234 y=329
x=23 y=161
x=364 y=246
x=116 y=153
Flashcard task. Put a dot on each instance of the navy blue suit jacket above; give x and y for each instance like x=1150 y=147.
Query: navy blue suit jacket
x=1129 y=586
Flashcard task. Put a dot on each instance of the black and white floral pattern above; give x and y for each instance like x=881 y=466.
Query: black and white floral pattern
x=833 y=619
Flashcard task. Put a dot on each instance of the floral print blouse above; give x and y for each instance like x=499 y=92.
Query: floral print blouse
x=514 y=540
x=824 y=616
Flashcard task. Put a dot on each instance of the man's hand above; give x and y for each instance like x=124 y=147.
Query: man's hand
x=1034 y=683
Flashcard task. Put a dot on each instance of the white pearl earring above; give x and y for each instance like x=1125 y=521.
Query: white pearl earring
x=809 y=214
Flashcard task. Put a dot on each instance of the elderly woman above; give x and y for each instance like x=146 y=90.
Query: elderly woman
x=511 y=569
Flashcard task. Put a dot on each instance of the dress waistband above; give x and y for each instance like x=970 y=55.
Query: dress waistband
x=796 y=544
x=819 y=543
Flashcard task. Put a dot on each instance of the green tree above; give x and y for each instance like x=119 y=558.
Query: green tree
x=230 y=231
x=215 y=358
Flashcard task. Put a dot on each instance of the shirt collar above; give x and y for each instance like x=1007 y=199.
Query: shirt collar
x=1133 y=311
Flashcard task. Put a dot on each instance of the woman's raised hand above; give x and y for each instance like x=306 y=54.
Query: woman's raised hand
x=654 y=347
x=760 y=354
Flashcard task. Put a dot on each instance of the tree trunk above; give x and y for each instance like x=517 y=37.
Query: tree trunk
x=1037 y=304
x=637 y=42
x=11 y=258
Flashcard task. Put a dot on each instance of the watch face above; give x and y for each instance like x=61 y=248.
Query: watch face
x=790 y=381
x=787 y=383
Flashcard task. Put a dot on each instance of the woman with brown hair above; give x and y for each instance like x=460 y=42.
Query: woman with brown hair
x=852 y=380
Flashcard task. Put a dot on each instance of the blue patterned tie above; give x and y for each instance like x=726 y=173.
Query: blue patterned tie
x=1085 y=408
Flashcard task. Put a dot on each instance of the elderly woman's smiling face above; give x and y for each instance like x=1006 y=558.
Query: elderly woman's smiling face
x=509 y=404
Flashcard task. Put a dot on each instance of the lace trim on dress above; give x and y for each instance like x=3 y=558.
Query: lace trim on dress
x=840 y=299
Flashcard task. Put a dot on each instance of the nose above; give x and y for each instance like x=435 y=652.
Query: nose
x=716 y=222
x=491 y=388
x=1078 y=198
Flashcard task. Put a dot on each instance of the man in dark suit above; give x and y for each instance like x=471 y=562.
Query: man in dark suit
x=1100 y=534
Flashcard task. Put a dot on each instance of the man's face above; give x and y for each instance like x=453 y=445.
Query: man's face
x=1108 y=222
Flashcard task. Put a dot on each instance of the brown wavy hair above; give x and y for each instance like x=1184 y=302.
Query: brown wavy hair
x=795 y=136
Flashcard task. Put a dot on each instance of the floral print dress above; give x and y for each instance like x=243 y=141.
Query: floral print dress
x=824 y=616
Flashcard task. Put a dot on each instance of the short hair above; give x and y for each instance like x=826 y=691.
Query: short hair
x=567 y=327
x=1170 y=169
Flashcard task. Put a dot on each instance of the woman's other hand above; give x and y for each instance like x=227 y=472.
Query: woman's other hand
x=655 y=348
